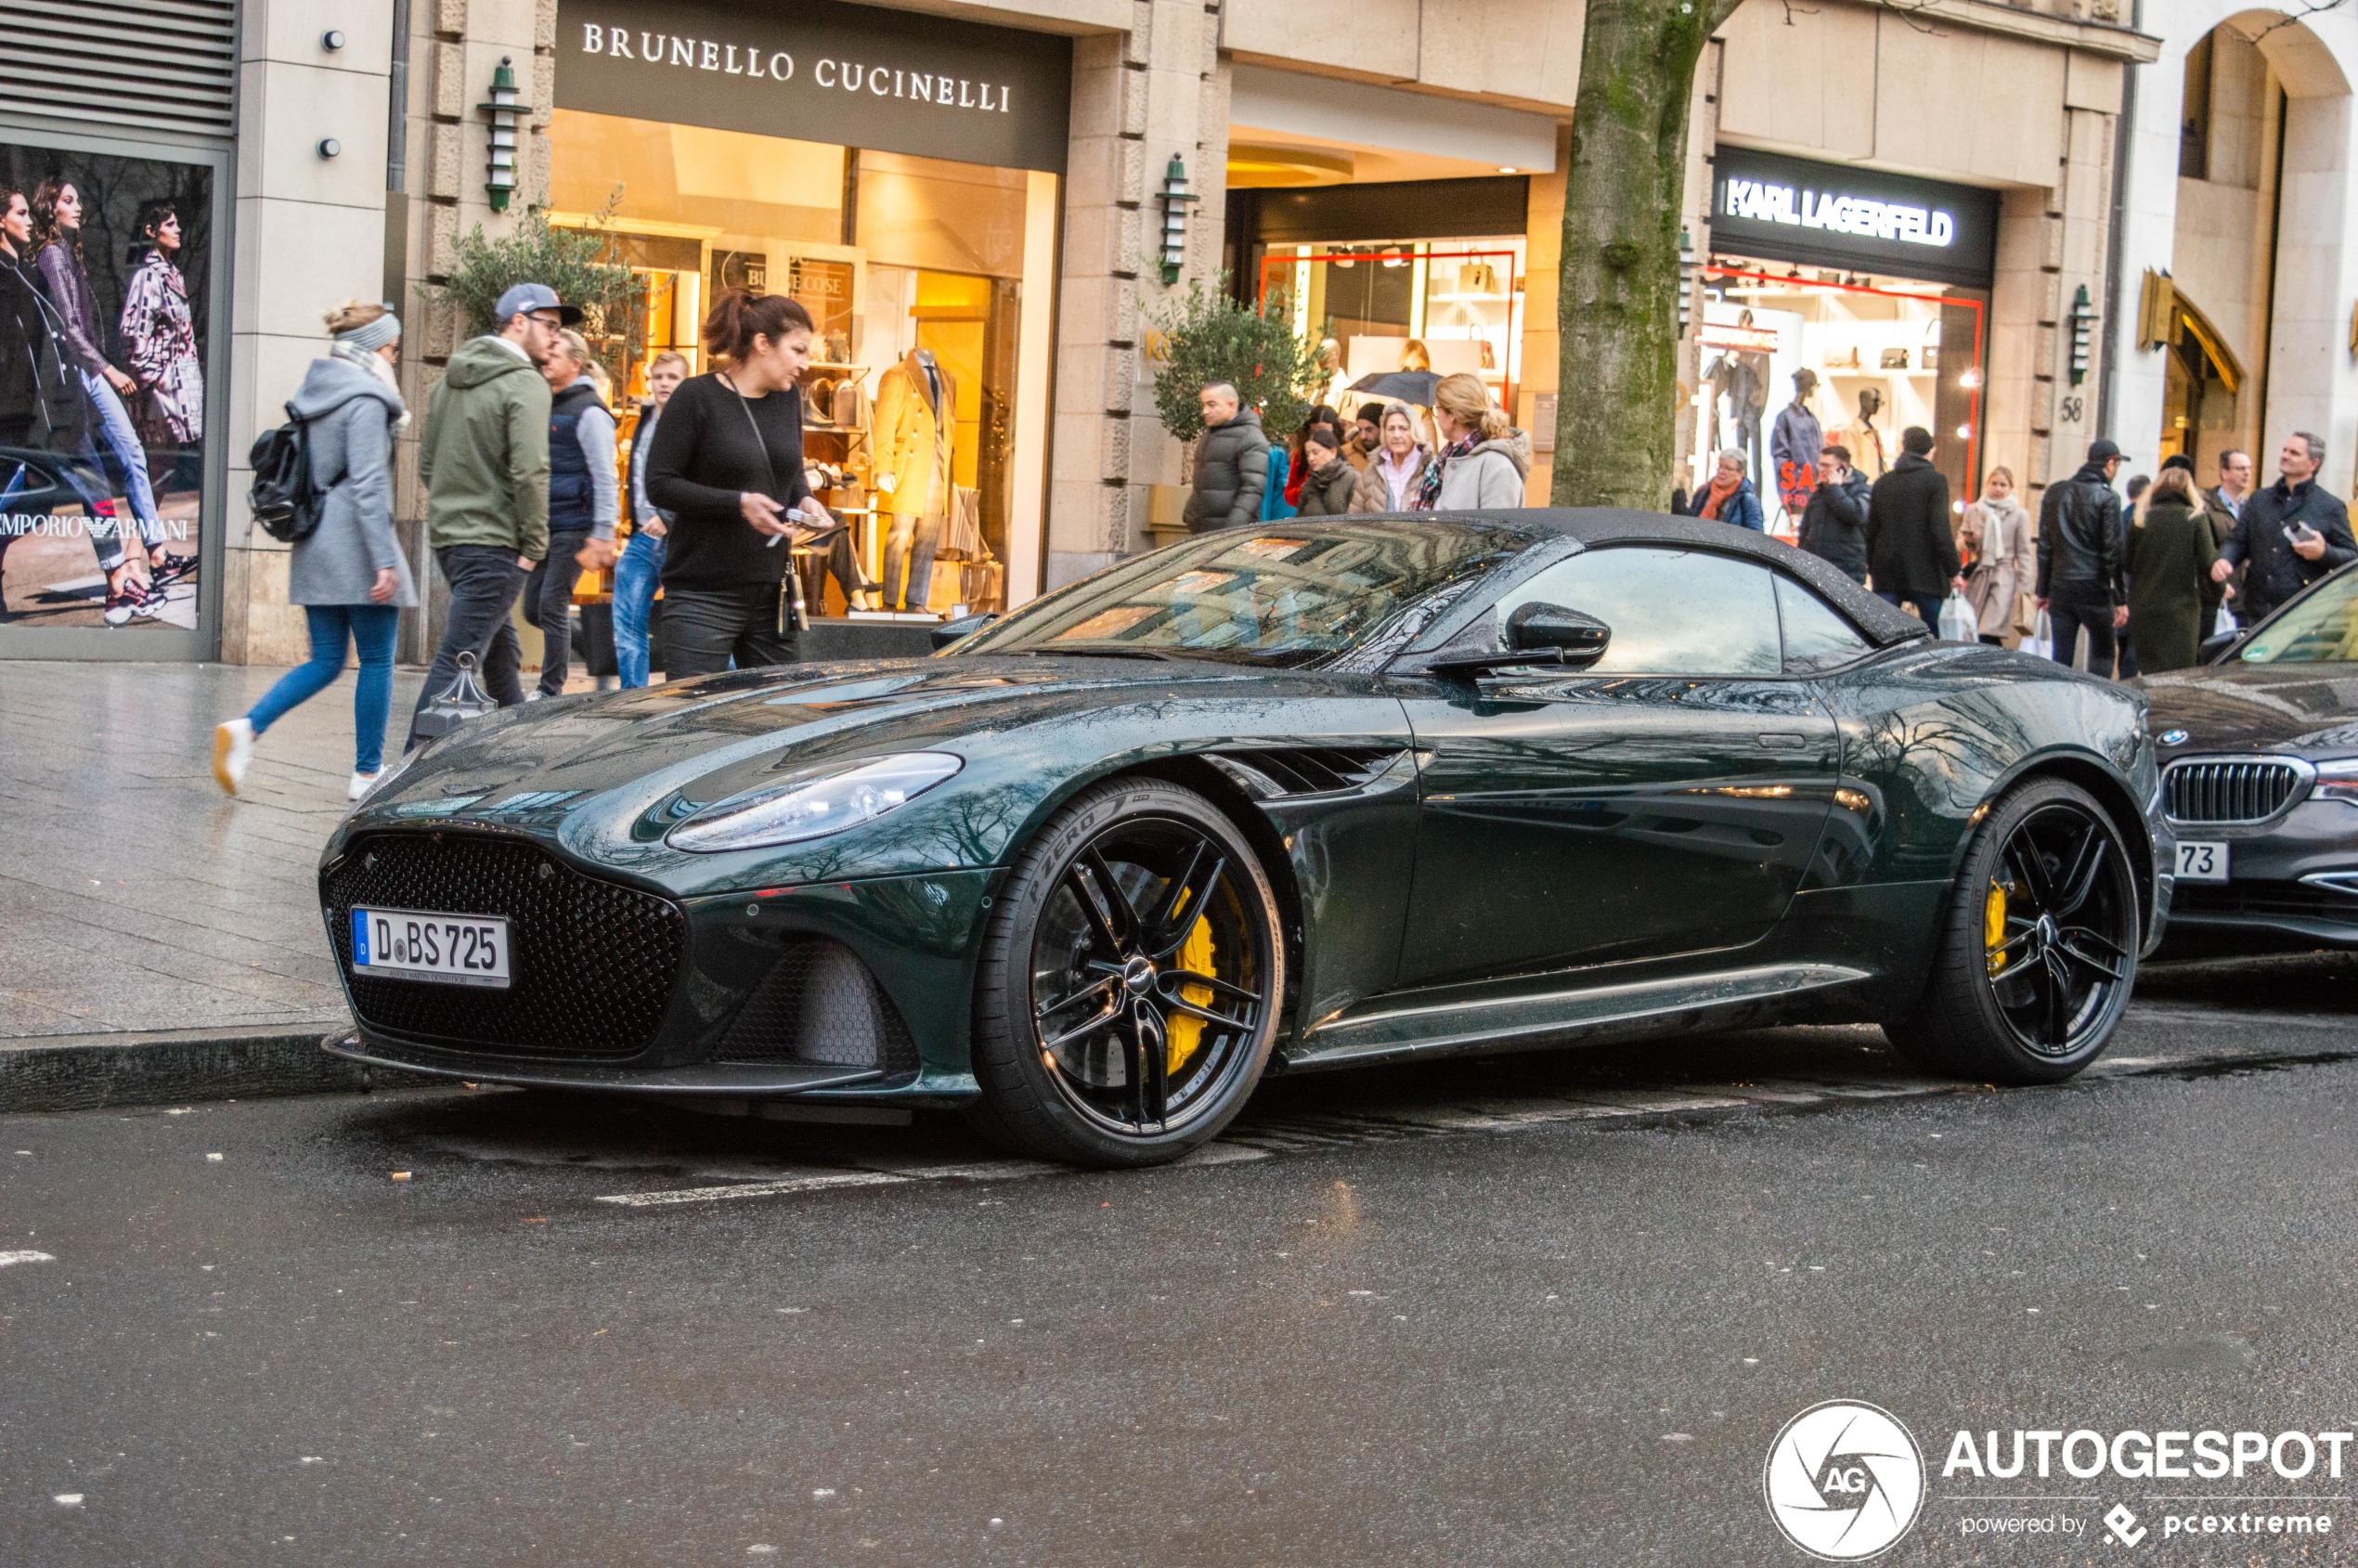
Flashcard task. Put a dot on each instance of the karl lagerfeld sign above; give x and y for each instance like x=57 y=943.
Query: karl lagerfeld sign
x=817 y=70
x=1834 y=214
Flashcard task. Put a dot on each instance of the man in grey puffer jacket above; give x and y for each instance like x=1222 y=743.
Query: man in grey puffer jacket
x=1232 y=464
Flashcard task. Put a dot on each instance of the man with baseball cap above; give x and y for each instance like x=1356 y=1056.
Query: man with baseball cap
x=2083 y=556
x=484 y=458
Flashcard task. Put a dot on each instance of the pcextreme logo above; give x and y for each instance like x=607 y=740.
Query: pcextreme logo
x=1844 y=1481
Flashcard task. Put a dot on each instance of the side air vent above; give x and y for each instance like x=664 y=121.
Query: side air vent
x=1315 y=770
x=819 y=1004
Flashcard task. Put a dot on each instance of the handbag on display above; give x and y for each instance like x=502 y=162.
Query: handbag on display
x=1895 y=358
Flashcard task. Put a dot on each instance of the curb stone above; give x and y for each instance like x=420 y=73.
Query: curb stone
x=97 y=1071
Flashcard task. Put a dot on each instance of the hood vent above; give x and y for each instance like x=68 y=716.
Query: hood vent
x=1311 y=770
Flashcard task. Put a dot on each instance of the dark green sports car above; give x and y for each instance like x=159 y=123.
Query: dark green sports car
x=1272 y=799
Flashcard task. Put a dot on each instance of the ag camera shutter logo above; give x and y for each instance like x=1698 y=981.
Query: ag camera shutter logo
x=1844 y=1481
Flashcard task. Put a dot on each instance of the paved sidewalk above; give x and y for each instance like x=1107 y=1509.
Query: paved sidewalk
x=134 y=895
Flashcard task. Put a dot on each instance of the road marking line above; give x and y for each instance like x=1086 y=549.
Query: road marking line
x=1309 y=1132
x=753 y=1190
x=9 y=1258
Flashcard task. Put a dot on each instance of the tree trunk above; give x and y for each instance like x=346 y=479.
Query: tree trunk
x=1618 y=304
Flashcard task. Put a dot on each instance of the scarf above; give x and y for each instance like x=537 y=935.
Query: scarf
x=1720 y=491
x=1429 y=488
x=370 y=361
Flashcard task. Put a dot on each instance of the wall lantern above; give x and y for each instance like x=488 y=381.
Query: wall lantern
x=1175 y=197
x=505 y=112
x=2083 y=332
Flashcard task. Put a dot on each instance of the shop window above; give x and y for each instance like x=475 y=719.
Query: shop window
x=1378 y=306
x=2200 y=375
x=904 y=263
x=2194 y=113
x=1880 y=354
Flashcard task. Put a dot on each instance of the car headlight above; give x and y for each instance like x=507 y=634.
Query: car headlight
x=815 y=808
x=2339 y=781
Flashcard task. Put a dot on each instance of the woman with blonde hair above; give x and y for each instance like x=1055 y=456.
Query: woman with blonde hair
x=348 y=572
x=1392 y=481
x=2170 y=550
x=1479 y=464
x=1995 y=534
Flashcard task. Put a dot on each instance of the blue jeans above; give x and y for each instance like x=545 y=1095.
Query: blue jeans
x=120 y=455
x=371 y=628
x=636 y=576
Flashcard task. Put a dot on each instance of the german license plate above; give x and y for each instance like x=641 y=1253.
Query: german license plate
x=413 y=945
x=2200 y=862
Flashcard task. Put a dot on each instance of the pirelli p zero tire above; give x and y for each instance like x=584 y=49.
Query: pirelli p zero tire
x=2039 y=949
x=1131 y=976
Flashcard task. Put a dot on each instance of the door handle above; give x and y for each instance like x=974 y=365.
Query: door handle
x=1782 y=740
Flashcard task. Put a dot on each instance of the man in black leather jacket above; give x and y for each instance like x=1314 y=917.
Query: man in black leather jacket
x=2083 y=547
x=2292 y=533
x=1834 y=526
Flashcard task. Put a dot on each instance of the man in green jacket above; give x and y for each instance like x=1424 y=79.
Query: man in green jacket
x=483 y=459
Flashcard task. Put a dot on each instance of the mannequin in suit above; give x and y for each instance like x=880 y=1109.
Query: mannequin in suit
x=916 y=422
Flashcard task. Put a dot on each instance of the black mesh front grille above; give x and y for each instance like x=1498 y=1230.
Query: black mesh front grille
x=592 y=964
x=819 y=1004
x=2229 y=791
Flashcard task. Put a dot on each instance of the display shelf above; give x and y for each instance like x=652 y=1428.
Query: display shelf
x=1470 y=299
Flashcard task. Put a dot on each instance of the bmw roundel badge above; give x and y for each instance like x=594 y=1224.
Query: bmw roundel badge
x=2174 y=737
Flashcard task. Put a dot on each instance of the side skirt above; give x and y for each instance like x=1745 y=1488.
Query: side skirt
x=1723 y=998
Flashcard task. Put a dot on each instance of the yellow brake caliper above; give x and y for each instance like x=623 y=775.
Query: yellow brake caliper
x=1186 y=1030
x=1993 y=926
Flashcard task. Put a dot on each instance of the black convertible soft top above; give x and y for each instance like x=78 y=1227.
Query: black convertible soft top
x=1883 y=624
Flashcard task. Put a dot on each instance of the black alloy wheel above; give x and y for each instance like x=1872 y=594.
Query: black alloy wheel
x=2039 y=947
x=1130 y=983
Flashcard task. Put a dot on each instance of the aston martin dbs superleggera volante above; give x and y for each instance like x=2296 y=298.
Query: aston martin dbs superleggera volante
x=1272 y=799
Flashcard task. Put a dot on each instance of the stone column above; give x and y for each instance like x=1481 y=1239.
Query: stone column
x=1137 y=99
x=310 y=235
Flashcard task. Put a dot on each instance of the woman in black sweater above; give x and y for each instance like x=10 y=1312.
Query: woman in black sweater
x=727 y=464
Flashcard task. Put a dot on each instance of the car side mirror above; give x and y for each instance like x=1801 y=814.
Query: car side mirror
x=1578 y=640
x=1536 y=634
x=958 y=631
x=2213 y=647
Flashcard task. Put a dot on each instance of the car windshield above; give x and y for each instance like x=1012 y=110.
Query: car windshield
x=1258 y=596
x=2322 y=629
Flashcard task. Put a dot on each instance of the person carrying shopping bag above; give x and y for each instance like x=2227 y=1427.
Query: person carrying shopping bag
x=347 y=573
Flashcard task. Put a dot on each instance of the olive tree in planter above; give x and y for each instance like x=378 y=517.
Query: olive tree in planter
x=583 y=266
x=1203 y=336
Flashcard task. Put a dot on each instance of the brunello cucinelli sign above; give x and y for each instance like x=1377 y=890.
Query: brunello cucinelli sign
x=817 y=70
x=1776 y=208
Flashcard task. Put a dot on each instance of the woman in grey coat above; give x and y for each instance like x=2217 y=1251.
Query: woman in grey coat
x=348 y=574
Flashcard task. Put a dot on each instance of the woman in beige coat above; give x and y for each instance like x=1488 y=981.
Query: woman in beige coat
x=1995 y=534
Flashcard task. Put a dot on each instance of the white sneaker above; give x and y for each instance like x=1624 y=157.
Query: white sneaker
x=232 y=751
x=363 y=783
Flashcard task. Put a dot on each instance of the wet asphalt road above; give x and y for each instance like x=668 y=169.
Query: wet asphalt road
x=1546 y=1310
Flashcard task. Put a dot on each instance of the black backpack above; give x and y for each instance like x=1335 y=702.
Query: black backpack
x=283 y=499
